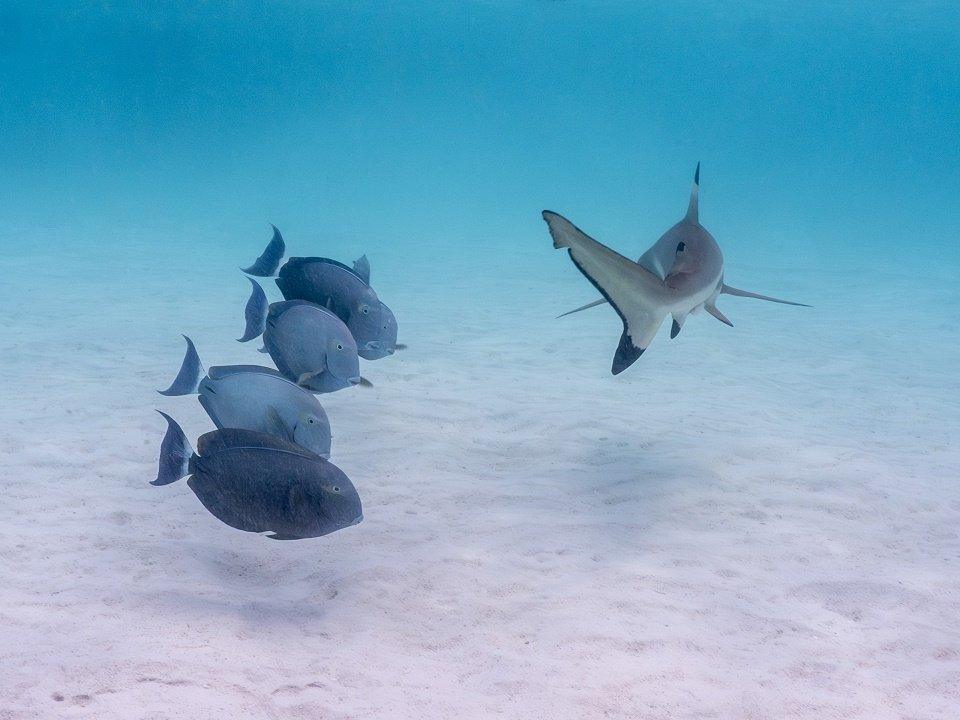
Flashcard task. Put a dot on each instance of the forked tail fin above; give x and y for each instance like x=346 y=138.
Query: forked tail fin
x=266 y=265
x=175 y=453
x=255 y=312
x=190 y=375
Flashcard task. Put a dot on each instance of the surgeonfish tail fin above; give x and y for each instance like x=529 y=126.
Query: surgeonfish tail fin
x=266 y=265
x=693 y=211
x=361 y=266
x=727 y=290
x=175 y=454
x=190 y=375
x=255 y=312
x=601 y=301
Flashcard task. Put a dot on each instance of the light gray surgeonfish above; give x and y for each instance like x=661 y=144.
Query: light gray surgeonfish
x=309 y=344
x=258 y=483
x=251 y=397
x=680 y=274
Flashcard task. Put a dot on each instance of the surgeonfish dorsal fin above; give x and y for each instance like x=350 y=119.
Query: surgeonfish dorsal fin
x=191 y=373
x=266 y=265
x=361 y=266
x=693 y=210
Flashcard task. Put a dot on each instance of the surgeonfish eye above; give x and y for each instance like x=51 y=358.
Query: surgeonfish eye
x=336 y=488
x=339 y=346
x=310 y=420
x=365 y=310
x=681 y=247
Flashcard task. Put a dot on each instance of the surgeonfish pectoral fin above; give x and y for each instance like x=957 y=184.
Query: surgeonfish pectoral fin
x=281 y=536
x=693 y=210
x=399 y=346
x=277 y=426
x=365 y=383
x=305 y=378
x=727 y=290
x=191 y=373
x=175 y=453
x=601 y=301
x=266 y=265
x=712 y=309
x=263 y=349
x=255 y=312
x=635 y=293
x=361 y=266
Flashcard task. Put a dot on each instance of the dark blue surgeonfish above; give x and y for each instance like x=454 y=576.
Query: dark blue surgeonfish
x=346 y=293
x=258 y=483
x=251 y=397
x=309 y=344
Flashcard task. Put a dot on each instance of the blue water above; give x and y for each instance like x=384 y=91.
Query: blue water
x=145 y=147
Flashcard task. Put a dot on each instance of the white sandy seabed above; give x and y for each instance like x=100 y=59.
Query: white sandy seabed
x=758 y=522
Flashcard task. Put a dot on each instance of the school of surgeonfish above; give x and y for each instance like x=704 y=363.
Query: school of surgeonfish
x=266 y=467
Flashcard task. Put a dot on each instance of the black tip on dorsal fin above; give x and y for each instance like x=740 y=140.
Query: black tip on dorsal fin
x=696 y=175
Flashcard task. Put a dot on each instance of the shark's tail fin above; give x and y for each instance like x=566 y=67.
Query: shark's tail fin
x=191 y=372
x=727 y=290
x=693 y=209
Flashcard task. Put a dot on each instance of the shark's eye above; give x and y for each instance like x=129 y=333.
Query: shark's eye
x=681 y=247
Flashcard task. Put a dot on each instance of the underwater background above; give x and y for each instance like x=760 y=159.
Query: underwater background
x=758 y=521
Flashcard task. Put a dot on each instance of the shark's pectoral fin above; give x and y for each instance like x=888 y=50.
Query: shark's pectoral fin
x=634 y=292
x=712 y=309
x=677 y=325
x=601 y=301
x=727 y=290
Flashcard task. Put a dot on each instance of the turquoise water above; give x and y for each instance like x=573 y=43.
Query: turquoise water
x=779 y=497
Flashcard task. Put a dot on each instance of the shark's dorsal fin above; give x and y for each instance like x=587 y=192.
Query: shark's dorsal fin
x=693 y=211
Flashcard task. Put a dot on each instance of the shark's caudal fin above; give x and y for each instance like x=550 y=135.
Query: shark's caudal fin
x=727 y=290
x=266 y=265
x=693 y=209
x=601 y=301
x=175 y=453
x=190 y=375
x=635 y=293
x=255 y=312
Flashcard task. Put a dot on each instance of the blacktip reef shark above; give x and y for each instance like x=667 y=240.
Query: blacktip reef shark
x=681 y=273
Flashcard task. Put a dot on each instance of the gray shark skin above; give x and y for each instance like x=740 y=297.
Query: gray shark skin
x=251 y=397
x=309 y=345
x=346 y=293
x=681 y=273
x=258 y=483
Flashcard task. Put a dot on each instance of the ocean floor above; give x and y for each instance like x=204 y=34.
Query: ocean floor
x=756 y=522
